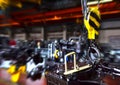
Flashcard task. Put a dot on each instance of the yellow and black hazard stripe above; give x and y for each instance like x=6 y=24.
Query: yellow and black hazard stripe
x=56 y=54
x=95 y=20
x=16 y=72
x=92 y=22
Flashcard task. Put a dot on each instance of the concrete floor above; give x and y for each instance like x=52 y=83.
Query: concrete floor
x=5 y=80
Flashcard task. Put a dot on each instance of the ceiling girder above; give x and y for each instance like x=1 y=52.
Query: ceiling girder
x=57 y=15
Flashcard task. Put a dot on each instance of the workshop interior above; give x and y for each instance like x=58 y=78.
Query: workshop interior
x=59 y=42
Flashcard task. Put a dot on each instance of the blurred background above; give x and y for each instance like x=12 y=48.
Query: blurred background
x=47 y=20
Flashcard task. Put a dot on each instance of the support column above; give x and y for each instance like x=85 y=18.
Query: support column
x=64 y=33
x=27 y=33
x=8 y=31
x=42 y=33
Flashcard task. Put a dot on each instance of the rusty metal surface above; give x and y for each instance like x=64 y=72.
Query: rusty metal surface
x=110 y=81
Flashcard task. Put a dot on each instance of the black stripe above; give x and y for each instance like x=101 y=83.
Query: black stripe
x=95 y=16
x=93 y=25
x=87 y=15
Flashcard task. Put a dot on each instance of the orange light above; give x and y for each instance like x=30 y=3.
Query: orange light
x=57 y=18
x=9 y=24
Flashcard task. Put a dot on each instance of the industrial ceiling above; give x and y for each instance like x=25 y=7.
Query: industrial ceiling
x=18 y=13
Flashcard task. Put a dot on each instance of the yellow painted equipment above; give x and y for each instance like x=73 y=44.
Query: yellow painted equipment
x=92 y=22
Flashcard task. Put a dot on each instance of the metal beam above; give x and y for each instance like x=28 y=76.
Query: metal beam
x=57 y=15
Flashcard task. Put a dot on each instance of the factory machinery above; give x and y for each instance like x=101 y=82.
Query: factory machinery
x=79 y=60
